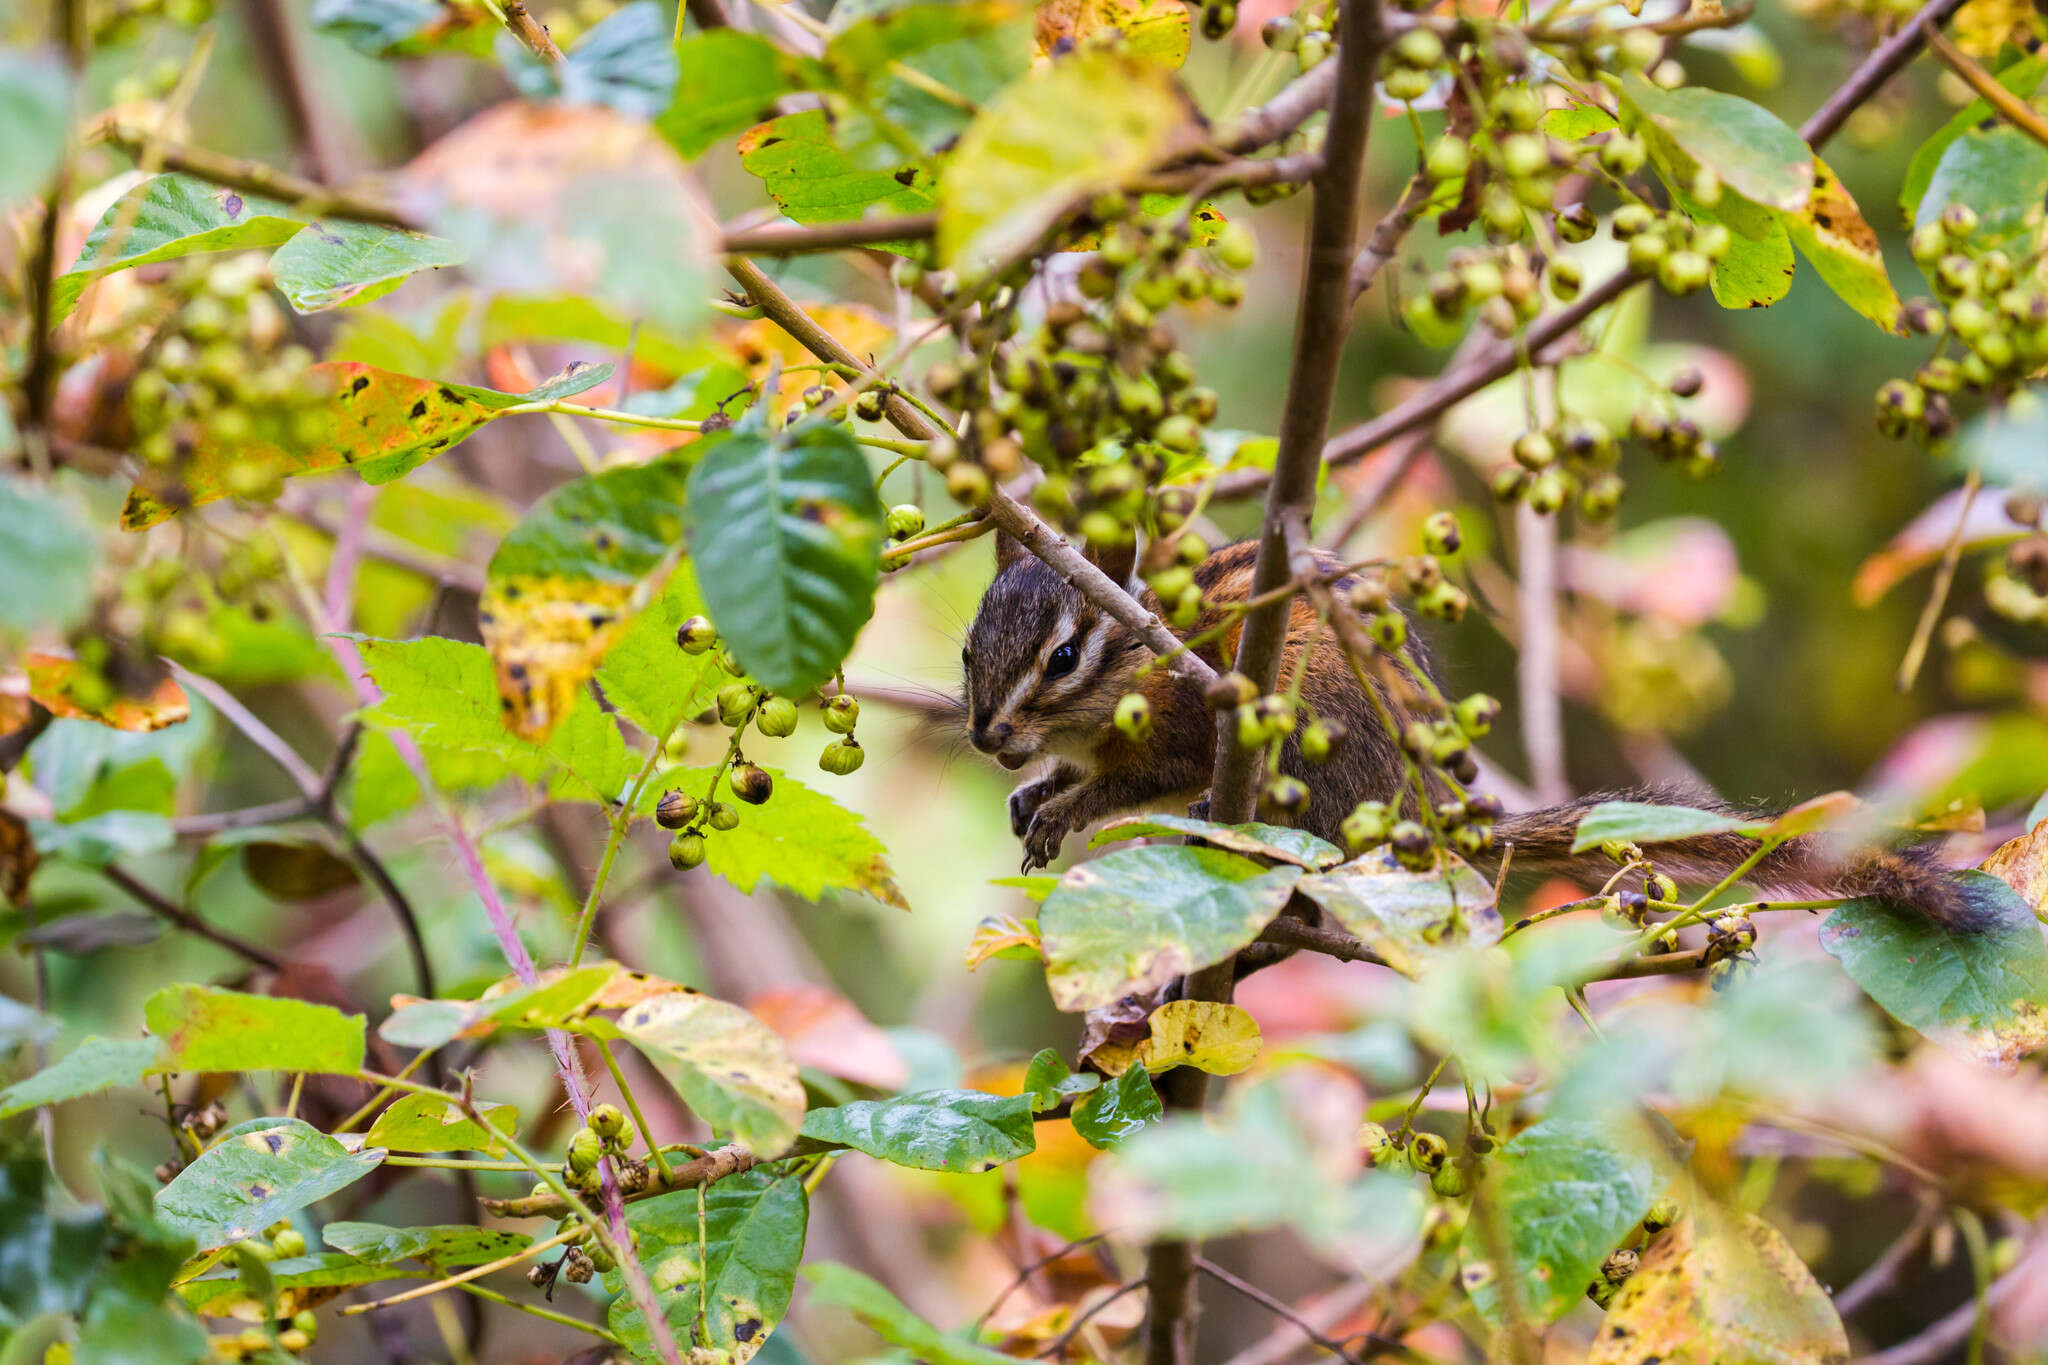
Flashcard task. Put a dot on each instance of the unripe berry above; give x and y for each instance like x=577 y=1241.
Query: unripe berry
x=585 y=1147
x=1450 y=156
x=968 y=484
x=1134 y=717
x=776 y=718
x=735 y=702
x=1235 y=247
x=1622 y=155
x=1428 y=1152
x=1662 y=1215
x=1389 y=630
x=905 y=520
x=1412 y=847
x=1440 y=533
x=751 y=784
x=1227 y=691
x=1631 y=220
x=1402 y=83
x=1444 y=602
x=1533 y=450
x=842 y=713
x=722 y=817
x=1547 y=491
x=842 y=757
x=1366 y=826
x=1575 y=224
x=1374 y=1143
x=1321 y=739
x=607 y=1121
x=685 y=851
x=1451 y=1180
x=1286 y=797
x=289 y=1243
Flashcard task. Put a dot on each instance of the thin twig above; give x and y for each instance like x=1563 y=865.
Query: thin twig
x=1057 y=1347
x=2016 y=110
x=1882 y=1274
x=1949 y=1331
x=1536 y=670
x=1387 y=236
x=253 y=177
x=254 y=730
x=1937 y=594
x=1278 y=1307
x=165 y=908
x=1025 y=1272
x=1290 y=1333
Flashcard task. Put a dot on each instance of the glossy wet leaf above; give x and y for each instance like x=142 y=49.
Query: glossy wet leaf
x=625 y=62
x=442 y=1245
x=2022 y=76
x=803 y=161
x=570 y=578
x=785 y=529
x=1643 y=822
x=1152 y=30
x=341 y=264
x=1118 y=1109
x=445 y=694
x=35 y=113
x=933 y=1130
x=1721 y=1286
x=1026 y=159
x=1749 y=147
x=1411 y=919
x=744 y=1268
x=1983 y=991
x=379 y=424
x=427 y=1123
x=799 y=839
x=647 y=677
x=204 y=1028
x=255 y=1174
x=728 y=1066
x=726 y=81
x=550 y=1002
x=170 y=216
x=95 y=1065
x=1132 y=920
x=1843 y=250
x=69 y=691
x=1048 y=1081
x=2001 y=173
x=1281 y=844
x=47 y=549
x=885 y=1314
x=1568 y=1193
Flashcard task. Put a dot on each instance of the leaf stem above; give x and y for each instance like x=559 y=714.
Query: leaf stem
x=622 y=820
x=611 y=1064
x=547 y=1314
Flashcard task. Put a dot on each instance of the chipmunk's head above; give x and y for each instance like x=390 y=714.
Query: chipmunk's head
x=1043 y=668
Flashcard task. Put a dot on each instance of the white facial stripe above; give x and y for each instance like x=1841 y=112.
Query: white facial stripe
x=1091 y=655
x=1029 y=681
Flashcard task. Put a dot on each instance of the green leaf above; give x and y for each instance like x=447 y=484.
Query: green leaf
x=52 y=1253
x=20 y=1024
x=1567 y=1194
x=1722 y=1286
x=1123 y=1107
x=624 y=62
x=799 y=839
x=203 y=1028
x=94 y=1065
x=442 y=1246
x=1281 y=844
x=1496 y=1007
x=1576 y=123
x=728 y=80
x=729 y=1067
x=741 y=1265
x=786 y=531
x=974 y=48
x=1843 y=250
x=1411 y=919
x=549 y=1003
x=237 y=1296
x=569 y=578
x=255 y=1174
x=1983 y=991
x=1132 y=920
x=445 y=694
x=1048 y=1080
x=647 y=677
x=427 y=1123
x=332 y=264
x=935 y=1130
x=2009 y=445
x=2023 y=77
x=171 y=216
x=803 y=162
x=1027 y=158
x=882 y=1311
x=46 y=549
x=379 y=28
x=1749 y=147
x=379 y=424
x=1646 y=822
x=100 y=839
x=2000 y=172
x=35 y=115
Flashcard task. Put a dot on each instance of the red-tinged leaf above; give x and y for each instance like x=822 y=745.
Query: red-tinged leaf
x=827 y=1032
x=70 y=692
x=380 y=424
x=2022 y=864
x=1924 y=538
x=18 y=858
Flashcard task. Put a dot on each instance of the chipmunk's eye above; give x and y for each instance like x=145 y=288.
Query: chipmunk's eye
x=1062 y=661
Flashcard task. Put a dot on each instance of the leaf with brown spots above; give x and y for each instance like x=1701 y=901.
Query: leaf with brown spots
x=2022 y=864
x=570 y=577
x=380 y=424
x=69 y=691
x=18 y=858
x=1219 y=1039
x=1721 y=1287
x=557 y=997
x=724 y=1282
x=728 y=1066
x=1154 y=31
x=255 y=1174
x=1831 y=233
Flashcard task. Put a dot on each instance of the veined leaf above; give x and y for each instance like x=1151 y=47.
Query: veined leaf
x=1645 y=822
x=379 y=424
x=804 y=165
x=441 y=1246
x=728 y=1066
x=646 y=676
x=427 y=1123
x=1281 y=844
x=203 y=1028
x=1983 y=990
x=2000 y=172
x=94 y=1065
x=1048 y=1080
x=786 y=532
x=1831 y=234
x=799 y=839
x=1411 y=919
x=255 y=1174
x=1134 y=919
x=739 y=1263
x=550 y=1002
x=335 y=264
x=569 y=578
x=1122 y=1107
x=2023 y=77
x=727 y=80
x=1749 y=147
x=294 y=1284
x=169 y=216
x=54 y=684
x=932 y=1130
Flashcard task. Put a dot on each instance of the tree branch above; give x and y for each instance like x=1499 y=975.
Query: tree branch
x=165 y=908
x=253 y=177
x=1388 y=235
x=708 y=1169
x=782 y=240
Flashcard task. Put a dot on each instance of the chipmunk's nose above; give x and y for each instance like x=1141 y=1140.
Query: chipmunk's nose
x=989 y=738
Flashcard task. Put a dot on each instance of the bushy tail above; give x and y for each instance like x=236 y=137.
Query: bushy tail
x=1910 y=877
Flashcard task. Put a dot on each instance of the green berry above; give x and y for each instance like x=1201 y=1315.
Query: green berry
x=776 y=717
x=586 y=1146
x=607 y=1121
x=842 y=713
x=696 y=635
x=1440 y=534
x=685 y=851
x=905 y=520
x=842 y=757
x=289 y=1243
x=723 y=817
x=735 y=703
x=1134 y=717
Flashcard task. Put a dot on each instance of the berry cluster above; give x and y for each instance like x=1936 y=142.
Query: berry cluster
x=117 y=23
x=1311 y=35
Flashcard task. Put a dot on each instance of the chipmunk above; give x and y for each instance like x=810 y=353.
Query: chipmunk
x=1044 y=670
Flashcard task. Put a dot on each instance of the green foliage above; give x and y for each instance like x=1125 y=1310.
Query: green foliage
x=95 y=1065
x=46 y=546
x=799 y=839
x=545 y=1004
x=727 y=1065
x=739 y=1263
x=1643 y=823
x=624 y=62
x=2000 y=172
x=1411 y=919
x=427 y=1123
x=1111 y=1113
x=168 y=217
x=205 y=1029
x=1277 y=842
x=727 y=80
x=934 y=1130
x=1750 y=149
x=333 y=265
x=255 y=1174
x=885 y=1313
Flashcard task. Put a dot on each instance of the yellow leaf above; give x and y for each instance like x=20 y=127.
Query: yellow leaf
x=1219 y=1039
x=1151 y=30
x=1981 y=27
x=2022 y=864
x=1004 y=936
x=70 y=692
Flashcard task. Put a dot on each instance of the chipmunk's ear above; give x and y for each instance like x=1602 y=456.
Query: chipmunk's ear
x=1118 y=561
x=1008 y=550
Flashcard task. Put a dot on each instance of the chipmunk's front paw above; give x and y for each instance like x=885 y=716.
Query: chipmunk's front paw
x=1026 y=800
x=1048 y=829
